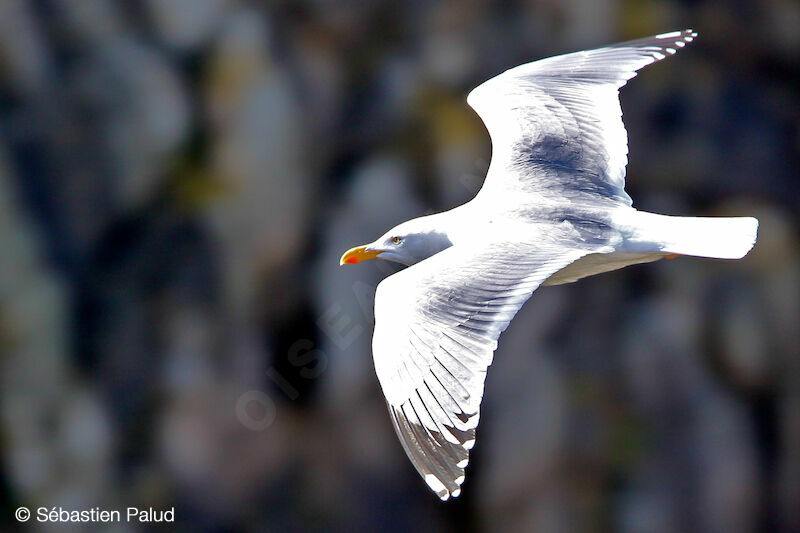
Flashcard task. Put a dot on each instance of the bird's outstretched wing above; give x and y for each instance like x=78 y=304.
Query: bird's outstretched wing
x=556 y=124
x=436 y=329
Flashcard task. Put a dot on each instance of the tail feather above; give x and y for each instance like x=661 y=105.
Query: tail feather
x=719 y=237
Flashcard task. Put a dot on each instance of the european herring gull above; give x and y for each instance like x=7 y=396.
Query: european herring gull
x=553 y=209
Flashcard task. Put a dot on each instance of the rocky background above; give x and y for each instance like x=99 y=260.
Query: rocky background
x=178 y=179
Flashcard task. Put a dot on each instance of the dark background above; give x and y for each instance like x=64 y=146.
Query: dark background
x=178 y=179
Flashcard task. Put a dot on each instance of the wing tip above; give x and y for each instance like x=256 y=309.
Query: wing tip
x=439 y=488
x=444 y=482
x=663 y=45
x=687 y=34
x=678 y=39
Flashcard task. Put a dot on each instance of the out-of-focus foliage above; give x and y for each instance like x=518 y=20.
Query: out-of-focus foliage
x=179 y=177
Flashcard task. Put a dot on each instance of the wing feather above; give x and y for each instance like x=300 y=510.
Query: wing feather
x=436 y=328
x=556 y=124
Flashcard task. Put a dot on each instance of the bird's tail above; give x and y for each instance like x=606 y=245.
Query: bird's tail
x=720 y=237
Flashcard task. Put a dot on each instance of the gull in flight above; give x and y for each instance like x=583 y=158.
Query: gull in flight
x=553 y=209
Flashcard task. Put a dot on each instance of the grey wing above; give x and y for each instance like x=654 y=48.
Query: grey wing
x=436 y=329
x=556 y=124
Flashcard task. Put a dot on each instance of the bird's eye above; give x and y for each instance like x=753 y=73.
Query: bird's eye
x=397 y=240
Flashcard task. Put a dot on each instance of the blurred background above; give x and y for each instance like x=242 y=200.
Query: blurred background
x=178 y=179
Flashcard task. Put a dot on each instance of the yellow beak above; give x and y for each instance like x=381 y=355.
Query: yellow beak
x=358 y=254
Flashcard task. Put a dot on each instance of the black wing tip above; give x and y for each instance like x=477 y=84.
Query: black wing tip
x=677 y=38
x=683 y=34
x=674 y=39
x=668 y=42
x=429 y=465
x=660 y=46
x=444 y=493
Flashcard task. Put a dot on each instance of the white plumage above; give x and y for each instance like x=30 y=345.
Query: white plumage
x=553 y=209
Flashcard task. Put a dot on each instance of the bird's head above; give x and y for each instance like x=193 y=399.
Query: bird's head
x=407 y=243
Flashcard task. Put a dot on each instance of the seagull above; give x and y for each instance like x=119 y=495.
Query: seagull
x=552 y=210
